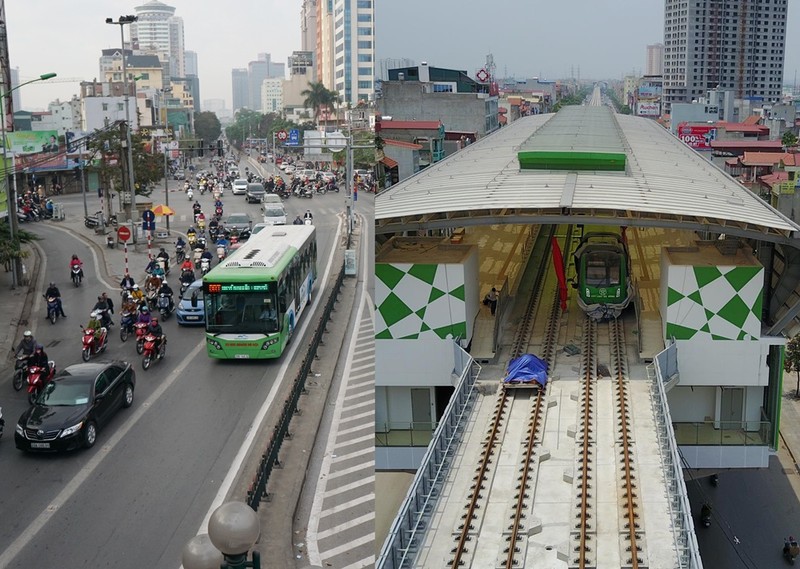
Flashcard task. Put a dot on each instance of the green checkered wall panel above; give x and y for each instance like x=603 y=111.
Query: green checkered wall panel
x=720 y=303
x=418 y=301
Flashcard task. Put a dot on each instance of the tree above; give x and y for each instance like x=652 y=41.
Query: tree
x=206 y=126
x=107 y=152
x=791 y=360
x=317 y=97
x=11 y=249
x=789 y=140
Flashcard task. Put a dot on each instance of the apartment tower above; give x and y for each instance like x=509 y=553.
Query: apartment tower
x=735 y=45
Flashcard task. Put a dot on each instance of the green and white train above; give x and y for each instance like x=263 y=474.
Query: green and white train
x=604 y=280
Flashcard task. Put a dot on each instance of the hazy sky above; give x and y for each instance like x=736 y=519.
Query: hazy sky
x=67 y=38
x=606 y=39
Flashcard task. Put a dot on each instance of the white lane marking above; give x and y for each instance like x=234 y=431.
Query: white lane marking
x=355 y=441
x=356 y=417
x=361 y=563
x=350 y=545
x=354 y=454
x=256 y=424
x=347 y=487
x=100 y=453
x=312 y=538
x=357 y=468
x=347 y=525
x=95 y=260
x=347 y=505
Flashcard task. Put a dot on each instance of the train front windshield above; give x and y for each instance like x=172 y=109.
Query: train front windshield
x=603 y=269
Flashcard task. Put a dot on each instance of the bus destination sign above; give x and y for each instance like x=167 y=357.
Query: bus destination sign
x=216 y=288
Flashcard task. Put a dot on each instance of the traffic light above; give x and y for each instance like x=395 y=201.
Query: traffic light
x=201 y=149
x=220 y=151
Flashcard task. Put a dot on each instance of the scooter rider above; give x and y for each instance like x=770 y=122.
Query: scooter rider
x=207 y=255
x=26 y=346
x=75 y=262
x=136 y=294
x=52 y=291
x=187 y=265
x=196 y=208
x=105 y=307
x=155 y=329
x=791 y=547
x=298 y=220
x=308 y=215
x=127 y=282
x=167 y=290
x=95 y=325
x=144 y=315
x=39 y=359
x=162 y=254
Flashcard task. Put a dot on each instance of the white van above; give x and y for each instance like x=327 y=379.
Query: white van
x=274 y=213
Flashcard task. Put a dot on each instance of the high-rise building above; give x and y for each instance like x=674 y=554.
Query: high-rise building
x=354 y=49
x=655 y=59
x=308 y=25
x=158 y=31
x=241 y=89
x=324 y=44
x=272 y=95
x=190 y=62
x=738 y=45
x=302 y=63
x=257 y=71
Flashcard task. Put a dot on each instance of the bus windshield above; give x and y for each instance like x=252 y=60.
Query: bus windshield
x=241 y=313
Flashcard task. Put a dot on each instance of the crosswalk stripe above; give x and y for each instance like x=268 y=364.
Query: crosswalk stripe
x=347 y=505
x=353 y=486
x=348 y=546
x=346 y=526
x=354 y=454
x=369 y=437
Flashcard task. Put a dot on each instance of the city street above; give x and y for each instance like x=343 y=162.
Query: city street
x=142 y=492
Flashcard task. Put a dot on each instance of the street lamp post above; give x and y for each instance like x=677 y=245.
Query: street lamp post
x=233 y=530
x=164 y=148
x=10 y=195
x=121 y=22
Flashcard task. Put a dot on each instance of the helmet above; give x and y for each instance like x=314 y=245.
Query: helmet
x=28 y=334
x=39 y=348
x=144 y=309
x=94 y=314
x=74 y=256
x=154 y=320
x=162 y=250
x=52 y=284
x=135 y=286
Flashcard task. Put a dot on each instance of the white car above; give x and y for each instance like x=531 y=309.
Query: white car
x=306 y=173
x=239 y=187
x=289 y=169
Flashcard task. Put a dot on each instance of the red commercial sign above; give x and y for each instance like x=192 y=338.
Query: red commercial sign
x=697 y=136
x=124 y=234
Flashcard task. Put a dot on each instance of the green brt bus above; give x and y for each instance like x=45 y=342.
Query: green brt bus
x=254 y=298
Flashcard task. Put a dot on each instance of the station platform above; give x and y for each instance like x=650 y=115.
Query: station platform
x=503 y=254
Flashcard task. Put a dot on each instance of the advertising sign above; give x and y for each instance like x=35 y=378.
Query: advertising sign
x=697 y=136
x=649 y=91
x=33 y=141
x=648 y=109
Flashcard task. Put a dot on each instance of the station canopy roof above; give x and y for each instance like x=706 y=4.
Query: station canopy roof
x=548 y=169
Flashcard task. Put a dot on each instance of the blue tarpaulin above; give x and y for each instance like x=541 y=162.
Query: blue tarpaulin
x=525 y=369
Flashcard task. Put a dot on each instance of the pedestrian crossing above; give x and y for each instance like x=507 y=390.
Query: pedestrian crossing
x=342 y=534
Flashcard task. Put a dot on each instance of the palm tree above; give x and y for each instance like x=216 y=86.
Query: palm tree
x=316 y=97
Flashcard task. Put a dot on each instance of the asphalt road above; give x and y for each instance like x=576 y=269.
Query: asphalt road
x=753 y=510
x=141 y=493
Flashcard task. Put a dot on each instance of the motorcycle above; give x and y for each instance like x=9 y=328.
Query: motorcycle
x=705 y=515
x=205 y=265
x=91 y=346
x=126 y=322
x=180 y=254
x=164 y=265
x=141 y=332
x=308 y=221
x=196 y=256
x=52 y=309
x=187 y=278
x=222 y=252
x=37 y=380
x=190 y=194
x=149 y=353
x=790 y=549
x=20 y=371
x=165 y=306
x=77 y=275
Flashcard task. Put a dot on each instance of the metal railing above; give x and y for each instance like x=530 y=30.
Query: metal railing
x=687 y=549
x=409 y=527
x=722 y=433
x=269 y=458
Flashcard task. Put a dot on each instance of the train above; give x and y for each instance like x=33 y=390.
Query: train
x=604 y=281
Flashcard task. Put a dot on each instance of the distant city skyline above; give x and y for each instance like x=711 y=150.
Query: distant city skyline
x=34 y=41
x=551 y=41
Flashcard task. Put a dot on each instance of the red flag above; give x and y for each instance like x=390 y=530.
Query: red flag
x=558 y=263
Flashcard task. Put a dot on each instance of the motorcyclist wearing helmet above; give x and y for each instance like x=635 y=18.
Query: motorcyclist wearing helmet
x=155 y=329
x=196 y=207
x=105 y=307
x=191 y=235
x=308 y=215
x=39 y=359
x=27 y=345
x=298 y=220
x=144 y=315
x=53 y=292
x=136 y=294
x=180 y=242
x=162 y=254
x=187 y=265
x=75 y=262
x=95 y=325
x=166 y=290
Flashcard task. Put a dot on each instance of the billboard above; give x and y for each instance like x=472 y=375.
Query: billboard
x=697 y=136
x=33 y=141
x=649 y=91
x=648 y=109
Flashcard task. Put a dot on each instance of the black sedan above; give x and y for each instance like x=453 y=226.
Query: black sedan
x=80 y=399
